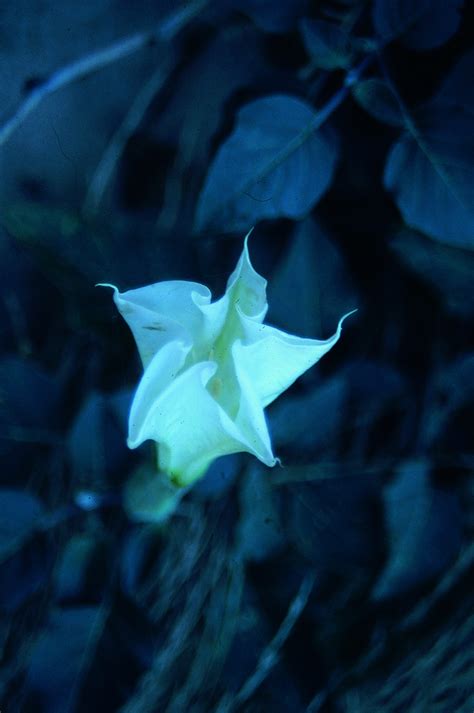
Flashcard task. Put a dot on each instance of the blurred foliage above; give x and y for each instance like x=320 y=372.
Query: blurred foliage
x=140 y=142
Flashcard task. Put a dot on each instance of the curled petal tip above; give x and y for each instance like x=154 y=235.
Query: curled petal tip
x=246 y=240
x=353 y=311
x=106 y=284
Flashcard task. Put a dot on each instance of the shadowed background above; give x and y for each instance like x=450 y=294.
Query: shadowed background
x=140 y=142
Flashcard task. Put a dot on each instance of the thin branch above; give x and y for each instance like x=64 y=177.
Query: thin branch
x=115 y=148
x=380 y=648
x=270 y=655
x=164 y=31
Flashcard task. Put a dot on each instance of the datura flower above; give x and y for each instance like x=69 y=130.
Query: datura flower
x=210 y=369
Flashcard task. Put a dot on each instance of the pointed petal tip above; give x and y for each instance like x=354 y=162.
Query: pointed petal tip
x=133 y=443
x=271 y=463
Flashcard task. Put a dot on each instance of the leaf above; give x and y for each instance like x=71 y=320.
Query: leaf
x=207 y=85
x=24 y=571
x=60 y=656
x=456 y=90
x=273 y=16
x=24 y=556
x=150 y=496
x=376 y=97
x=20 y=288
x=448 y=419
x=71 y=252
x=423 y=527
x=72 y=569
x=276 y=163
x=333 y=521
x=251 y=636
x=96 y=444
x=380 y=411
x=140 y=549
x=259 y=533
x=53 y=232
x=311 y=288
x=421 y=25
x=312 y=421
x=219 y=477
x=449 y=271
x=429 y=172
x=29 y=397
x=327 y=44
x=20 y=513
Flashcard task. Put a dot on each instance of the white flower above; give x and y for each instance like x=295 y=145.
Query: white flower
x=210 y=369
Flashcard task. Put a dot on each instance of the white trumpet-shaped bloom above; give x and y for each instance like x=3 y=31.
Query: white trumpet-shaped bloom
x=210 y=369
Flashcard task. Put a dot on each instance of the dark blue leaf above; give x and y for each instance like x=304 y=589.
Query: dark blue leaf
x=67 y=249
x=149 y=496
x=327 y=44
x=251 y=637
x=456 y=90
x=375 y=382
x=120 y=403
x=22 y=573
x=208 y=83
x=141 y=547
x=29 y=396
x=450 y=271
x=312 y=421
x=60 y=658
x=21 y=312
x=452 y=394
x=20 y=514
x=376 y=97
x=311 y=288
x=259 y=532
x=421 y=25
x=457 y=381
x=219 y=477
x=424 y=531
x=380 y=411
x=71 y=570
x=97 y=440
x=23 y=558
x=271 y=16
x=333 y=522
x=429 y=172
x=277 y=163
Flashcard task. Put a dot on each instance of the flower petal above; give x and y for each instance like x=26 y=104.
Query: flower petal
x=247 y=289
x=188 y=424
x=162 y=312
x=250 y=417
x=274 y=359
x=157 y=377
x=213 y=319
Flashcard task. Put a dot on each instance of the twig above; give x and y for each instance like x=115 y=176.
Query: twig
x=461 y=567
x=270 y=655
x=387 y=643
x=114 y=150
x=165 y=31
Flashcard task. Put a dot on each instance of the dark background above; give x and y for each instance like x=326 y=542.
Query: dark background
x=343 y=581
